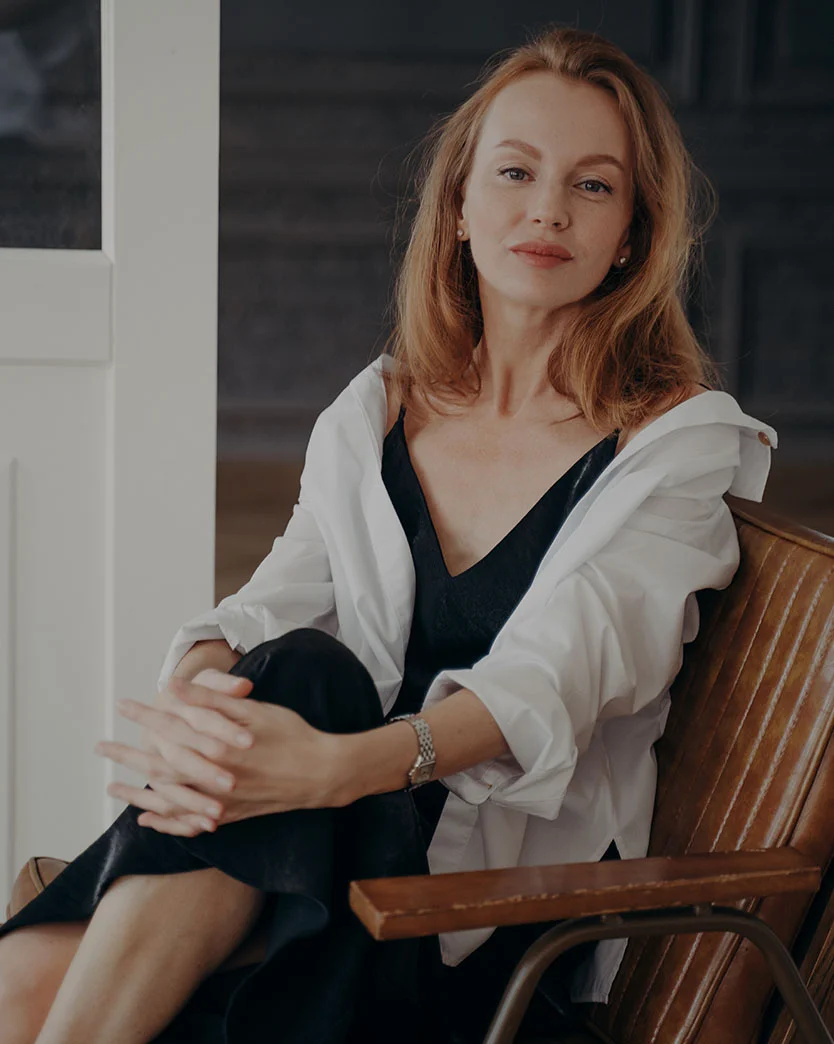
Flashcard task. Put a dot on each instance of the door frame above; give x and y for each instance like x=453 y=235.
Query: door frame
x=144 y=310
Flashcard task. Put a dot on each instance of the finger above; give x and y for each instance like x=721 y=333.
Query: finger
x=172 y=727
x=200 y=823
x=147 y=799
x=239 y=710
x=141 y=798
x=195 y=822
x=144 y=762
x=233 y=685
x=148 y=741
x=179 y=764
x=213 y=723
x=184 y=799
x=196 y=772
x=168 y=826
x=167 y=804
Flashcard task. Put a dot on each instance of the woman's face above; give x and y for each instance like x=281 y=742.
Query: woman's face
x=552 y=184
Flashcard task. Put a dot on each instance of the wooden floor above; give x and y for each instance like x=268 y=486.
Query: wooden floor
x=255 y=500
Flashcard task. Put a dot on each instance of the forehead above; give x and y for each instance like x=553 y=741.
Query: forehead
x=558 y=116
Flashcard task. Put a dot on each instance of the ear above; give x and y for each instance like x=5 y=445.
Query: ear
x=461 y=211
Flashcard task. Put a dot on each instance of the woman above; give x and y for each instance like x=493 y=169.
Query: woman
x=502 y=526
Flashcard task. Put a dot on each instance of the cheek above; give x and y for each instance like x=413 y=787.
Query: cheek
x=487 y=238
x=496 y=224
x=607 y=227
x=489 y=214
x=601 y=234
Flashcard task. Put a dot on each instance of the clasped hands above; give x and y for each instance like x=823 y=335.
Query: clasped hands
x=272 y=759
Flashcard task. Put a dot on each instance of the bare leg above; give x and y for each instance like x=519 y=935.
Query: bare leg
x=33 y=961
x=150 y=943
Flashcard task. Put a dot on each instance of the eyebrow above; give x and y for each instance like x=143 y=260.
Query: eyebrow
x=524 y=146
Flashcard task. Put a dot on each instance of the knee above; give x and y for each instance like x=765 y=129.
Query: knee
x=304 y=650
x=306 y=640
x=315 y=674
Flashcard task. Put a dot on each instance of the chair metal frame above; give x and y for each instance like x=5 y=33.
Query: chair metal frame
x=701 y=917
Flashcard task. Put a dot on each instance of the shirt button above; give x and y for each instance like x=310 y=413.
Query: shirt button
x=763 y=438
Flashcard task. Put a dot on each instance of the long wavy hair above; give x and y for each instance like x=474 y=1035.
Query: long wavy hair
x=630 y=349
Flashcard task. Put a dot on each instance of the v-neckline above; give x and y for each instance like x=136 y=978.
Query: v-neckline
x=493 y=550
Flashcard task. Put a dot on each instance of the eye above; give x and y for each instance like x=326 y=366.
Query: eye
x=508 y=170
x=595 y=181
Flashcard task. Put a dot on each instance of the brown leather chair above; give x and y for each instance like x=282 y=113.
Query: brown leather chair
x=742 y=836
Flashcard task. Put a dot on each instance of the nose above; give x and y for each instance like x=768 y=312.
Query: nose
x=549 y=206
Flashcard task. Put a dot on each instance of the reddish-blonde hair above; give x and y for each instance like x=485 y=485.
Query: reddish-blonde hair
x=630 y=349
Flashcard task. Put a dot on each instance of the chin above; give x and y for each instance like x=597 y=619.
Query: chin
x=532 y=297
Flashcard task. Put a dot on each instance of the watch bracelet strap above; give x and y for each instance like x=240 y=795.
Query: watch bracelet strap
x=421 y=727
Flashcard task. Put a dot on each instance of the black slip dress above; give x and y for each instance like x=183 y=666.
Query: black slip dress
x=324 y=980
x=455 y=620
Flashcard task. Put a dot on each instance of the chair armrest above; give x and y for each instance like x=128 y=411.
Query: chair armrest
x=427 y=904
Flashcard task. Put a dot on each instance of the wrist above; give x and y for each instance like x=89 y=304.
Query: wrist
x=338 y=783
x=372 y=762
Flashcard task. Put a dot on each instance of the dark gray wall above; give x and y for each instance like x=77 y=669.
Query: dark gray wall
x=430 y=28
x=321 y=104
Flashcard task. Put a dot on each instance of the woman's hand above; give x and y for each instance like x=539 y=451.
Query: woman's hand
x=211 y=678
x=289 y=765
x=179 y=819
x=184 y=809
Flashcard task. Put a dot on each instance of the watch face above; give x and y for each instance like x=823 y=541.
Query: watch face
x=422 y=774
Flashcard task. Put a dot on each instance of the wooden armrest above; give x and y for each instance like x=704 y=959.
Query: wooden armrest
x=427 y=904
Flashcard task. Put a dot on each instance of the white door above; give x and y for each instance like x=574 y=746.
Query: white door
x=108 y=366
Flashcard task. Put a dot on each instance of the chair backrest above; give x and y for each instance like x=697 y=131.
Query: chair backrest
x=746 y=762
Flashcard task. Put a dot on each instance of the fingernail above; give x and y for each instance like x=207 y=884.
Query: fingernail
x=207 y=824
x=214 y=810
x=244 y=739
x=224 y=782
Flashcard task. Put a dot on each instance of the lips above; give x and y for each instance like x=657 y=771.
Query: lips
x=543 y=249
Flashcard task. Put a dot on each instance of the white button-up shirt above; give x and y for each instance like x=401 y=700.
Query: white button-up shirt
x=577 y=678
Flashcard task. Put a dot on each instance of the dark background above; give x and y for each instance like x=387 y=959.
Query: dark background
x=321 y=105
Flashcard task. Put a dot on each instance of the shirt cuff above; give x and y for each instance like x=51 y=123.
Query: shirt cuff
x=524 y=777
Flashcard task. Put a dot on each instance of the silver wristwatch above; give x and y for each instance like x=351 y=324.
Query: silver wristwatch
x=420 y=772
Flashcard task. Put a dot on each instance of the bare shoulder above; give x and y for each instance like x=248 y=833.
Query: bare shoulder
x=627 y=435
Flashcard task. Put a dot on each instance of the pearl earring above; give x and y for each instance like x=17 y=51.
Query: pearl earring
x=460 y=232
x=623 y=260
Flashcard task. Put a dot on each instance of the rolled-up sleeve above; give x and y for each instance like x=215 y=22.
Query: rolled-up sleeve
x=292 y=587
x=607 y=642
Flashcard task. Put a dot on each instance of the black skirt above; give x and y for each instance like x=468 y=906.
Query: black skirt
x=324 y=979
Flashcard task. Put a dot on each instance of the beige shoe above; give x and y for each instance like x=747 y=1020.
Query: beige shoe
x=31 y=881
